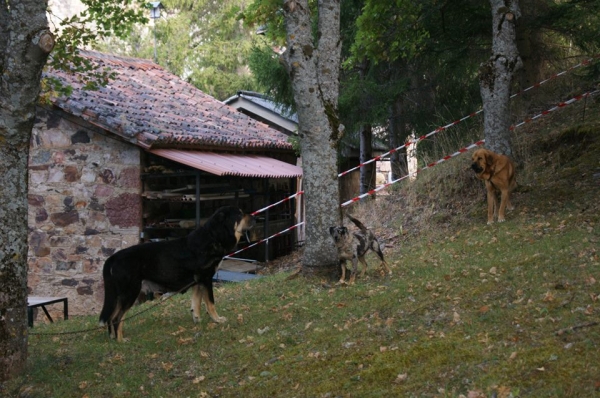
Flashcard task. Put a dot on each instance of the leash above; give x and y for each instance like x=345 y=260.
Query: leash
x=122 y=320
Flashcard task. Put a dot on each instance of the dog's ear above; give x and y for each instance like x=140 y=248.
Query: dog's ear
x=489 y=158
x=331 y=230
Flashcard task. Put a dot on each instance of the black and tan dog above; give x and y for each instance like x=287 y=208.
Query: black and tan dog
x=172 y=265
x=498 y=173
x=354 y=246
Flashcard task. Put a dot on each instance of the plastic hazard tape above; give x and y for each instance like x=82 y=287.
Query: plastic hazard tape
x=449 y=125
x=430 y=165
x=560 y=105
x=465 y=149
x=275 y=204
x=265 y=239
x=572 y=68
x=415 y=142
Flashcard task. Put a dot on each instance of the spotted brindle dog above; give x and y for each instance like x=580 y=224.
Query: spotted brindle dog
x=354 y=246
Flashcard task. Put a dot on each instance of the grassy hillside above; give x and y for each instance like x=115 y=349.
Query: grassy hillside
x=507 y=310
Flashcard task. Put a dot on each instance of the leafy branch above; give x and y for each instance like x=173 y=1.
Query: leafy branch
x=101 y=19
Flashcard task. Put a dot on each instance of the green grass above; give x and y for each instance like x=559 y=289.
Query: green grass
x=507 y=310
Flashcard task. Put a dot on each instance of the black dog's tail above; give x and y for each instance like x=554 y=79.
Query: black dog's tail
x=110 y=294
x=357 y=223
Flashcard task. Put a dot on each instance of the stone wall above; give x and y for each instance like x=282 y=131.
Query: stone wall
x=84 y=205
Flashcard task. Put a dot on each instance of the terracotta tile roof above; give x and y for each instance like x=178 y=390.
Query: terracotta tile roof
x=151 y=107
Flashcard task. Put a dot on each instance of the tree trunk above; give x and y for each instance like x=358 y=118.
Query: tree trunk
x=314 y=72
x=25 y=43
x=496 y=76
x=396 y=135
x=367 y=172
x=530 y=42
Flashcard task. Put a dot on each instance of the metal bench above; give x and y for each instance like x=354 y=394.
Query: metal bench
x=34 y=302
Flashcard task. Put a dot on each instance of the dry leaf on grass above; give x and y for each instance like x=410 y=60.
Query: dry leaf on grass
x=198 y=379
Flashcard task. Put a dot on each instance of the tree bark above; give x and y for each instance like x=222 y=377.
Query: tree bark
x=396 y=135
x=25 y=43
x=496 y=76
x=530 y=42
x=313 y=66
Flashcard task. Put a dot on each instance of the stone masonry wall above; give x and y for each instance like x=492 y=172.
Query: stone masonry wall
x=84 y=205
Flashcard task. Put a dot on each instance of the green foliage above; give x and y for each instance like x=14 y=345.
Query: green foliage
x=388 y=30
x=295 y=141
x=203 y=42
x=270 y=73
x=415 y=63
x=577 y=20
x=267 y=15
x=102 y=19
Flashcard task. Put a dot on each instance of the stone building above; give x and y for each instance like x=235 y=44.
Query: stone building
x=101 y=162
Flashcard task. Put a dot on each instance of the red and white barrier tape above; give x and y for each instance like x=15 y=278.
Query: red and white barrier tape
x=582 y=63
x=478 y=143
x=560 y=105
x=264 y=240
x=443 y=128
x=416 y=141
x=430 y=165
x=275 y=204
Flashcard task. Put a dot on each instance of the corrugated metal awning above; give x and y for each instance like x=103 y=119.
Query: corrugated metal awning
x=227 y=164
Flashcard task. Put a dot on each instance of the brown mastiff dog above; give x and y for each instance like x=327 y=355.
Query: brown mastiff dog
x=498 y=172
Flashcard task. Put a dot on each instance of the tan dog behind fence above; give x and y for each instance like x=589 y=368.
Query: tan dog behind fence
x=498 y=173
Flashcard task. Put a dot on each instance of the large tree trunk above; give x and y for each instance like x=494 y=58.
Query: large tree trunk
x=496 y=75
x=530 y=42
x=314 y=71
x=25 y=43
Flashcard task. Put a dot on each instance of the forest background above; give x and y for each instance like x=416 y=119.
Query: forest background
x=407 y=67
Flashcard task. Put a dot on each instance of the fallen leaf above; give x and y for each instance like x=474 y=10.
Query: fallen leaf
x=198 y=379
x=400 y=378
x=476 y=394
x=512 y=356
x=504 y=392
x=548 y=297
x=455 y=317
